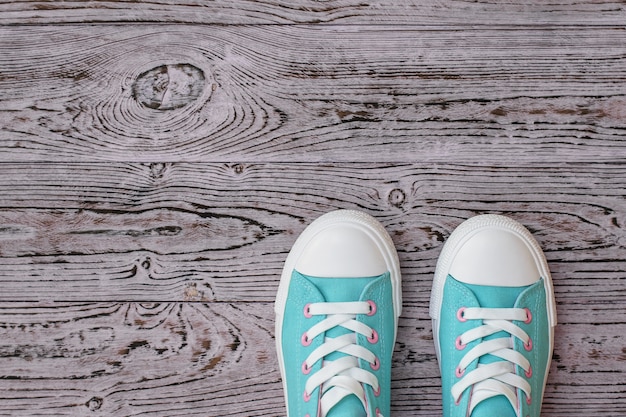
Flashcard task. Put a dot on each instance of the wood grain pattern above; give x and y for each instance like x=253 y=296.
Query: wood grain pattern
x=510 y=12
x=130 y=359
x=188 y=359
x=158 y=159
x=315 y=93
x=176 y=232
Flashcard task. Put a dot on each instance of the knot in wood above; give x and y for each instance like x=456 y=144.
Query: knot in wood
x=145 y=264
x=169 y=87
x=94 y=404
x=238 y=168
x=396 y=197
x=157 y=170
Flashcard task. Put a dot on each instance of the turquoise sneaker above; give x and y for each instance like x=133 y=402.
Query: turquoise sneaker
x=337 y=312
x=493 y=312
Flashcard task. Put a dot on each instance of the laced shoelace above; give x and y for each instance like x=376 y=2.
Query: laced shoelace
x=341 y=377
x=500 y=377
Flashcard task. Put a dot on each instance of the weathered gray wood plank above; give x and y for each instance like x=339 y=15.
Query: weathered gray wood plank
x=147 y=289
x=380 y=93
x=193 y=232
x=568 y=12
x=218 y=359
x=128 y=359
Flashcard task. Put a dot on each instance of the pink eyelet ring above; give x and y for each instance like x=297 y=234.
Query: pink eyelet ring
x=529 y=316
x=307 y=311
x=376 y=365
x=372 y=308
x=305 y=368
x=377 y=412
x=458 y=344
x=374 y=337
x=459 y=314
x=306 y=396
x=529 y=373
x=305 y=339
x=457 y=401
x=529 y=346
x=377 y=392
x=459 y=372
x=529 y=400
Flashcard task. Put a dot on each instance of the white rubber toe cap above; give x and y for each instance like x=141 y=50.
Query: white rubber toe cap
x=495 y=256
x=492 y=250
x=342 y=251
x=342 y=244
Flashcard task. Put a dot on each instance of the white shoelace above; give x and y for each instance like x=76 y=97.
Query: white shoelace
x=497 y=378
x=342 y=377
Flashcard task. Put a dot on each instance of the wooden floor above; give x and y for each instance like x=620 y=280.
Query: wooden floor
x=158 y=160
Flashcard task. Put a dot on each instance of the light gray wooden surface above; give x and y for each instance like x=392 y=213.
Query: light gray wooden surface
x=158 y=160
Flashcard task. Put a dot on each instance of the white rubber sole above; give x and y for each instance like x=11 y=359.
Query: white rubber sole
x=366 y=224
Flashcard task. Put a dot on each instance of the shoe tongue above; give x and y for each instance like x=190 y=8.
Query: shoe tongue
x=497 y=406
x=495 y=297
x=350 y=406
x=342 y=290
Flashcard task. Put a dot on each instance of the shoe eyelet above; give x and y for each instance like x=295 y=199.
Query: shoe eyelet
x=459 y=372
x=378 y=412
x=529 y=346
x=376 y=365
x=372 y=308
x=460 y=314
x=306 y=369
x=529 y=400
x=374 y=337
x=457 y=401
x=529 y=316
x=529 y=373
x=377 y=392
x=307 y=311
x=306 y=396
x=305 y=339
x=458 y=344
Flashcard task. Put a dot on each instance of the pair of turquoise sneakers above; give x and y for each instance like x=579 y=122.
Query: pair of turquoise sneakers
x=340 y=296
